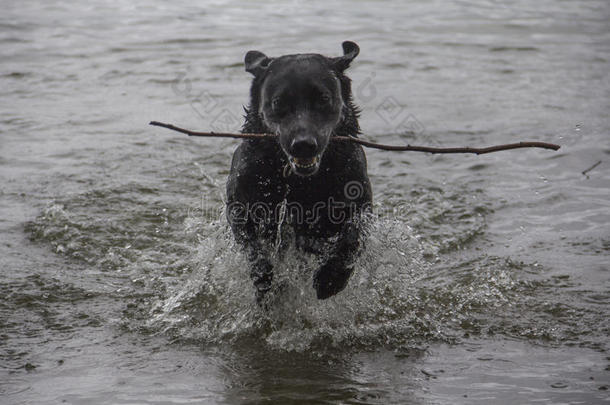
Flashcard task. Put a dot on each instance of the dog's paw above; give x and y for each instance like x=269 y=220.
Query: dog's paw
x=261 y=298
x=261 y=272
x=331 y=279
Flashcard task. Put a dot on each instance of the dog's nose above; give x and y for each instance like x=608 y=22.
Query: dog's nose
x=303 y=147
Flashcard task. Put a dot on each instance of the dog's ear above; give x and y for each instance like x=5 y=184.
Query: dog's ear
x=350 y=51
x=256 y=62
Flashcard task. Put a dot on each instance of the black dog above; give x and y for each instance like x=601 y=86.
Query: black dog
x=304 y=180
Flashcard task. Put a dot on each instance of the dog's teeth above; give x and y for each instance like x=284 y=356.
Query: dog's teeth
x=311 y=163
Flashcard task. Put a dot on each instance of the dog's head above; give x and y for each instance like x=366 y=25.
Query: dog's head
x=301 y=100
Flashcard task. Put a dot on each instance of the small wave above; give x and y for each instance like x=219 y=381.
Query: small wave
x=513 y=49
x=181 y=41
x=17 y=75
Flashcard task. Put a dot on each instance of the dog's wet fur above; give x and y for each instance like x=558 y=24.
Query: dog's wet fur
x=302 y=179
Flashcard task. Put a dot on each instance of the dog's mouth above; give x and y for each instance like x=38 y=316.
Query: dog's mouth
x=305 y=166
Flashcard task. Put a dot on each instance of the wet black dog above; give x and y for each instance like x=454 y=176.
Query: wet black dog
x=304 y=180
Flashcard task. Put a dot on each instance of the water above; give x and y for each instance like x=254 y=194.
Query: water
x=485 y=279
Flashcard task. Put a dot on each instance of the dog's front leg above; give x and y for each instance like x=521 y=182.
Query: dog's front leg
x=333 y=276
x=255 y=235
x=261 y=270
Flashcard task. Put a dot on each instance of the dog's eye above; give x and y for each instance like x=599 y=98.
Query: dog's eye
x=275 y=104
x=323 y=101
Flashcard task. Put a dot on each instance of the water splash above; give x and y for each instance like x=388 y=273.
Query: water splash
x=216 y=305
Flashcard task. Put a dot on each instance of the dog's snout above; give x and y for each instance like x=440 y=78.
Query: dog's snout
x=303 y=147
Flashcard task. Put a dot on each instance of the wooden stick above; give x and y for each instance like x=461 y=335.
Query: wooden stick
x=591 y=168
x=397 y=148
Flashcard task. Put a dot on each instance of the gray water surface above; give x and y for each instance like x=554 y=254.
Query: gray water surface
x=485 y=278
